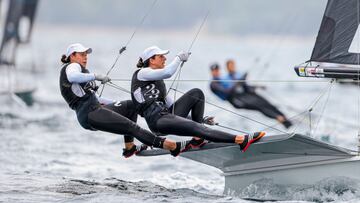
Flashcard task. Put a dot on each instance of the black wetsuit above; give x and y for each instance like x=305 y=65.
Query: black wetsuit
x=253 y=101
x=119 y=117
x=243 y=96
x=149 y=99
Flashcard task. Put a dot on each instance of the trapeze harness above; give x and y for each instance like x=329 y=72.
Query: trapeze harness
x=115 y=117
x=152 y=103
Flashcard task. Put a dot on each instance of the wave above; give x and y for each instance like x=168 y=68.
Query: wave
x=327 y=190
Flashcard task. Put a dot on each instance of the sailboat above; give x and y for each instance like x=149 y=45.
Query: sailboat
x=295 y=158
x=18 y=19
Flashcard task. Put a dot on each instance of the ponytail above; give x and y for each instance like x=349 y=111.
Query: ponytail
x=144 y=64
x=65 y=59
x=140 y=63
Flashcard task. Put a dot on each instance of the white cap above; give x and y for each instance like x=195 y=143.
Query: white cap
x=77 y=47
x=151 y=51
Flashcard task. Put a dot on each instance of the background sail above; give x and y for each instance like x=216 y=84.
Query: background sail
x=337 y=33
x=28 y=12
x=10 y=37
x=18 y=10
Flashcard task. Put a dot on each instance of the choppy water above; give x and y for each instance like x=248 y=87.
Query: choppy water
x=46 y=156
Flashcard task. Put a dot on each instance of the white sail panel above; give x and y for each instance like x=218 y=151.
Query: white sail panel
x=355 y=44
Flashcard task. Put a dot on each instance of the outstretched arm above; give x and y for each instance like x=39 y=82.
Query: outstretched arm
x=75 y=75
x=149 y=74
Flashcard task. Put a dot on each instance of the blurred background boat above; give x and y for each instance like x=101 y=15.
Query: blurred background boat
x=17 y=22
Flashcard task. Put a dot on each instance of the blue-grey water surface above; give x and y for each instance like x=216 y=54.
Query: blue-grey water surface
x=47 y=157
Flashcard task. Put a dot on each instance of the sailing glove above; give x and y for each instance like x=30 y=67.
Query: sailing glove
x=183 y=56
x=103 y=78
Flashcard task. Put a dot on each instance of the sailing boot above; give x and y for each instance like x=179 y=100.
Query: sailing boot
x=250 y=139
x=180 y=147
x=197 y=143
x=134 y=150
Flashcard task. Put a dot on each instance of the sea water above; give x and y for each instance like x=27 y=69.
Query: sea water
x=46 y=156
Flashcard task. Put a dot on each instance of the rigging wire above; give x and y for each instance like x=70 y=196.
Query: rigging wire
x=235 y=113
x=311 y=107
x=284 y=103
x=301 y=114
x=177 y=76
x=358 y=78
x=118 y=87
x=235 y=81
x=177 y=85
x=217 y=124
x=230 y=111
x=310 y=122
x=290 y=118
x=309 y=110
x=301 y=120
x=324 y=107
x=288 y=22
x=127 y=43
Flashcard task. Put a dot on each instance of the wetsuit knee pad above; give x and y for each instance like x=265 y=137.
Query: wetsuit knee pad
x=159 y=142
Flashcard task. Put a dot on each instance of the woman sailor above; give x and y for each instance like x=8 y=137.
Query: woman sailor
x=93 y=113
x=152 y=102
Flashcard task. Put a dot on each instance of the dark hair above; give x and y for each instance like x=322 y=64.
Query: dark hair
x=143 y=64
x=214 y=66
x=140 y=63
x=65 y=59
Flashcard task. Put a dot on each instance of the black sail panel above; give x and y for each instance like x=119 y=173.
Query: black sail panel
x=17 y=11
x=337 y=32
x=10 y=37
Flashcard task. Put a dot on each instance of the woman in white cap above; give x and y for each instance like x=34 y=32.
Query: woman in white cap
x=150 y=97
x=78 y=89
